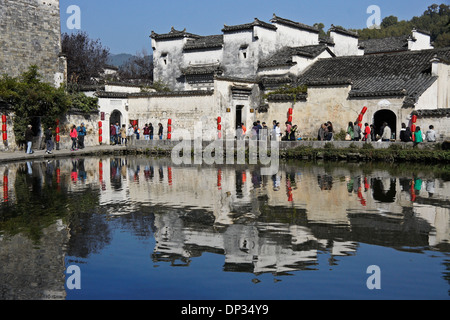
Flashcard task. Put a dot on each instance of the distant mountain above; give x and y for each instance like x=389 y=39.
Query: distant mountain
x=118 y=60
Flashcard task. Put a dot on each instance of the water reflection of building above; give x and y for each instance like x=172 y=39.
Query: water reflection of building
x=266 y=224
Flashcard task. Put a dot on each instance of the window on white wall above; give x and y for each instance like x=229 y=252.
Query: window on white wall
x=165 y=59
x=243 y=51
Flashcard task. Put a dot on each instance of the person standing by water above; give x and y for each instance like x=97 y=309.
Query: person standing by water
x=431 y=134
x=151 y=131
x=330 y=132
x=405 y=133
x=419 y=136
x=367 y=133
x=48 y=140
x=74 y=137
x=146 y=132
x=123 y=135
x=81 y=134
x=29 y=139
x=386 y=133
x=160 y=131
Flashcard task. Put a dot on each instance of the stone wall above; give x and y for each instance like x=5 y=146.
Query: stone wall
x=30 y=34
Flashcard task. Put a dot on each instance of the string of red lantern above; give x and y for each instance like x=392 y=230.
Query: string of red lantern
x=169 y=129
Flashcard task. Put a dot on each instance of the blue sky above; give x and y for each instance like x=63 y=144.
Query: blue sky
x=125 y=26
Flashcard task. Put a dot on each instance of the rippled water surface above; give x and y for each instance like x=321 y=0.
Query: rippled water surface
x=139 y=228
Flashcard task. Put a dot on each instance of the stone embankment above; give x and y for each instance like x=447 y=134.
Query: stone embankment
x=305 y=150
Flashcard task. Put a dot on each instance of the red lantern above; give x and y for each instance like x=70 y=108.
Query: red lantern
x=170 y=122
x=290 y=119
x=100 y=124
x=5 y=136
x=57 y=122
x=58 y=130
x=364 y=111
x=4 y=118
x=414 y=119
x=169 y=129
x=100 y=139
x=219 y=120
x=291 y=111
x=169 y=136
x=58 y=139
x=413 y=128
x=361 y=117
x=219 y=127
x=100 y=131
x=4 y=128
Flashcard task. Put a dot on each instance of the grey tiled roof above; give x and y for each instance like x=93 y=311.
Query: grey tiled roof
x=247 y=26
x=284 y=56
x=293 y=24
x=173 y=34
x=207 y=42
x=343 y=31
x=398 y=74
x=385 y=45
x=202 y=69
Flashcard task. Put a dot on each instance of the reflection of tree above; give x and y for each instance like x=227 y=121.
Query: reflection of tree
x=381 y=194
x=89 y=233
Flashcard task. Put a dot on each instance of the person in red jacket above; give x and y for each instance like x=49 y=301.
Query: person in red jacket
x=367 y=132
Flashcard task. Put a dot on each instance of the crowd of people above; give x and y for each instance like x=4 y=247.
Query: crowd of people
x=260 y=131
x=121 y=135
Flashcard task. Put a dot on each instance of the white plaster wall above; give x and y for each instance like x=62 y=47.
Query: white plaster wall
x=423 y=42
x=429 y=99
x=185 y=111
x=192 y=57
x=121 y=88
x=236 y=65
x=345 y=45
x=330 y=104
x=293 y=37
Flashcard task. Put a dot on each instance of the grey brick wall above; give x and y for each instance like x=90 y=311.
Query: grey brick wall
x=30 y=33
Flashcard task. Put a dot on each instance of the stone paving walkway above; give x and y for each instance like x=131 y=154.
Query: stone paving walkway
x=6 y=156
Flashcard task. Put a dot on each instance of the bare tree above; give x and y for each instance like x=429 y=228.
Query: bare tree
x=139 y=68
x=86 y=58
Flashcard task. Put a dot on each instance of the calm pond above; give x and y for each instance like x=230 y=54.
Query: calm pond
x=140 y=228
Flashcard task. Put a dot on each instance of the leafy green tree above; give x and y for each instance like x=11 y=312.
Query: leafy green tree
x=30 y=98
x=434 y=20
